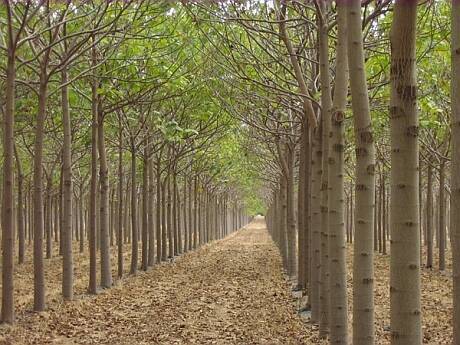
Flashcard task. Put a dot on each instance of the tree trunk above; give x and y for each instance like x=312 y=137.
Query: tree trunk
x=455 y=172
x=164 y=251
x=337 y=246
x=326 y=106
x=104 y=205
x=442 y=215
x=20 y=209
x=316 y=226
x=191 y=227
x=48 y=217
x=151 y=219
x=92 y=287
x=429 y=217
x=8 y=181
x=112 y=215
x=282 y=222
x=82 y=220
x=302 y=257
x=159 y=203
x=177 y=215
x=379 y=212
x=405 y=302
x=145 y=208
x=290 y=211
x=39 y=273
x=376 y=219
x=60 y=211
x=352 y=212
x=169 y=225
x=363 y=269
x=186 y=199
x=67 y=258
x=384 y=216
x=121 y=214
x=174 y=214
x=420 y=201
x=195 y=212
x=134 y=233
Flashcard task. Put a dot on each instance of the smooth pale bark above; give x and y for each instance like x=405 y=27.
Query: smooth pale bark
x=159 y=203
x=302 y=260
x=348 y=218
x=307 y=207
x=60 y=208
x=208 y=216
x=145 y=208
x=76 y=223
x=378 y=210
x=384 y=216
x=177 y=214
x=304 y=208
x=56 y=225
x=363 y=269
x=200 y=213
x=134 y=232
x=405 y=302
x=282 y=222
x=112 y=215
x=316 y=224
x=126 y=222
x=195 y=212
x=291 y=222
x=290 y=211
x=104 y=204
x=121 y=216
x=352 y=212
x=455 y=173
x=8 y=179
x=92 y=286
x=376 y=219
x=191 y=227
x=48 y=216
x=38 y=221
x=442 y=215
x=326 y=106
x=20 y=213
x=429 y=217
x=338 y=312
x=169 y=222
x=186 y=215
x=175 y=229
x=67 y=190
x=26 y=216
x=203 y=216
x=420 y=201
x=82 y=220
x=164 y=250
x=151 y=217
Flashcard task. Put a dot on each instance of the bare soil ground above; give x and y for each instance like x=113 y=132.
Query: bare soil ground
x=230 y=291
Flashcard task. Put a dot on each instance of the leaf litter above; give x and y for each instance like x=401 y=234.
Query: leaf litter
x=231 y=291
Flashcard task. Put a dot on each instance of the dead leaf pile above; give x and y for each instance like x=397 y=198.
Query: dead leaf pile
x=231 y=291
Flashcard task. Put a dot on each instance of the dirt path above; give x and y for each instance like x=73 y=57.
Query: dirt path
x=228 y=292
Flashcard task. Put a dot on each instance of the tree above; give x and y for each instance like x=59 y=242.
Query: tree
x=455 y=190
x=405 y=253
x=67 y=266
x=337 y=247
x=363 y=270
x=8 y=174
